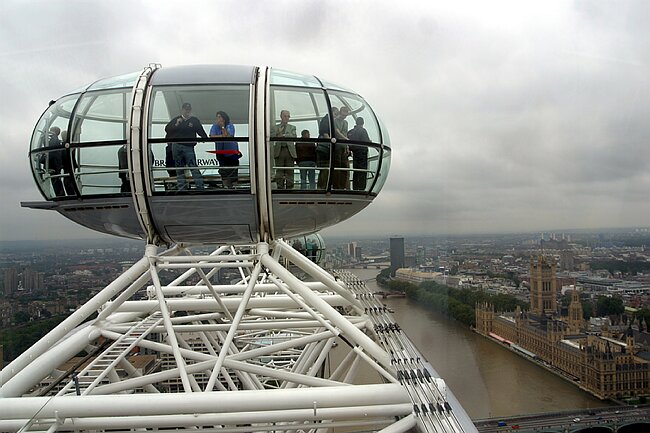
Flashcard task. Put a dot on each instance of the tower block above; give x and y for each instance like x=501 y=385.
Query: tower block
x=543 y=287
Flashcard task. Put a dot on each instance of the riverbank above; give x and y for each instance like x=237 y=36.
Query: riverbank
x=486 y=380
x=460 y=305
x=559 y=373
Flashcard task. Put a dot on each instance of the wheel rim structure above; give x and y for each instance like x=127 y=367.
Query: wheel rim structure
x=248 y=344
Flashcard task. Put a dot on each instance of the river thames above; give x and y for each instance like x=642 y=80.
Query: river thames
x=487 y=379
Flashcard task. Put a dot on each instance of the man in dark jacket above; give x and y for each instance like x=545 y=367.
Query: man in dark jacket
x=359 y=154
x=185 y=126
x=55 y=161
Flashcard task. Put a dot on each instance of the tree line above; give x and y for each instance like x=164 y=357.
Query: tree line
x=632 y=267
x=17 y=339
x=456 y=303
x=460 y=303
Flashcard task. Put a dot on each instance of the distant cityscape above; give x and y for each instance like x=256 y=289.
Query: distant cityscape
x=614 y=263
x=45 y=279
x=50 y=277
x=588 y=297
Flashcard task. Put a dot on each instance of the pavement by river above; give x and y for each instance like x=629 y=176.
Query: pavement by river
x=487 y=379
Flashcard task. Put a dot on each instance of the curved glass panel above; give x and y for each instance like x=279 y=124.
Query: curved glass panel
x=126 y=80
x=331 y=86
x=311 y=246
x=357 y=109
x=382 y=175
x=101 y=170
x=53 y=172
x=52 y=167
x=385 y=137
x=57 y=115
x=364 y=164
x=287 y=78
x=199 y=138
x=301 y=115
x=102 y=116
x=306 y=108
x=79 y=90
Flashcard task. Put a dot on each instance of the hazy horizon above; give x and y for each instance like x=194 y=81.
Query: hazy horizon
x=331 y=234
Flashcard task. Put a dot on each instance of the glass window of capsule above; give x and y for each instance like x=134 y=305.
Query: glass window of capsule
x=321 y=138
x=79 y=144
x=311 y=246
x=198 y=139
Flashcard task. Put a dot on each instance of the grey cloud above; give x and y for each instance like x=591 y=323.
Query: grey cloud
x=524 y=123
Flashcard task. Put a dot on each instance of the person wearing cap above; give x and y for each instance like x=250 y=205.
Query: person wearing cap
x=185 y=126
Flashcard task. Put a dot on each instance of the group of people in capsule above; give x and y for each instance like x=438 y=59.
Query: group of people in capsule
x=180 y=156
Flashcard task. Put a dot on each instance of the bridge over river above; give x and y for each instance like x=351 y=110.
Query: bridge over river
x=623 y=419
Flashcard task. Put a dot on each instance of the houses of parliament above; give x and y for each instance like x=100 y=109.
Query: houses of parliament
x=610 y=362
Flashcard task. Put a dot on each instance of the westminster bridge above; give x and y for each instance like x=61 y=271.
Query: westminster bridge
x=623 y=419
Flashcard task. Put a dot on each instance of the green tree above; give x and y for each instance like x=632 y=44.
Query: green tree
x=626 y=267
x=565 y=300
x=17 y=339
x=606 y=306
x=643 y=314
x=456 y=303
x=383 y=277
x=21 y=317
x=587 y=310
x=399 y=286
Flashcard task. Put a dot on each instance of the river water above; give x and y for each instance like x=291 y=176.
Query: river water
x=487 y=379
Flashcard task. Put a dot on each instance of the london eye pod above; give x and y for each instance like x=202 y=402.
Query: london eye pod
x=110 y=158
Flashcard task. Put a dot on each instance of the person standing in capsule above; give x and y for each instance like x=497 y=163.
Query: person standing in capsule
x=185 y=126
x=284 y=152
x=227 y=152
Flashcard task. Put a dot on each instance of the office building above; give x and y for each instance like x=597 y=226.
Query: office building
x=396 y=254
x=10 y=281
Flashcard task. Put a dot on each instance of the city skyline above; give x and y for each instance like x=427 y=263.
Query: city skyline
x=73 y=271
x=504 y=117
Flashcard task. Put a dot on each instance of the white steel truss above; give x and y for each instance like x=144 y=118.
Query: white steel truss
x=232 y=341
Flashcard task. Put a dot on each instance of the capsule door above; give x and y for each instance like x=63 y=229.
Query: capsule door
x=199 y=163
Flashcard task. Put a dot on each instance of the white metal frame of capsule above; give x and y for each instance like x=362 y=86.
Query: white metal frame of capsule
x=265 y=352
x=79 y=171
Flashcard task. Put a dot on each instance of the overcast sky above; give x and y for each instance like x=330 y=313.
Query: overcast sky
x=504 y=116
